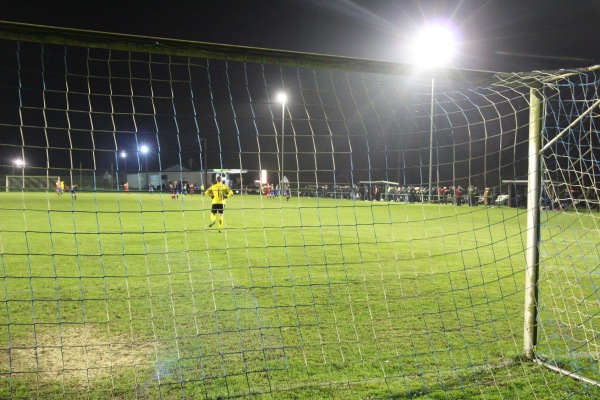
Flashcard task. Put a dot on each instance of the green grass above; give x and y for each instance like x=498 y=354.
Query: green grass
x=131 y=296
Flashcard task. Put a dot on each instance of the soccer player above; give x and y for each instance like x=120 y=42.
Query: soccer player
x=219 y=192
x=74 y=191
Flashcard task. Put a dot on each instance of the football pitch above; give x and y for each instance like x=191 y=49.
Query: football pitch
x=117 y=295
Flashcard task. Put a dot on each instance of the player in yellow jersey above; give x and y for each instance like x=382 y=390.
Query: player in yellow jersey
x=219 y=192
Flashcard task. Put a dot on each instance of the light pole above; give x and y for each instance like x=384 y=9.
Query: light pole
x=20 y=163
x=144 y=149
x=124 y=157
x=282 y=98
x=429 y=194
x=434 y=46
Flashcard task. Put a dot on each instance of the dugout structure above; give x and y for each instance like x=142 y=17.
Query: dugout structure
x=516 y=191
x=134 y=295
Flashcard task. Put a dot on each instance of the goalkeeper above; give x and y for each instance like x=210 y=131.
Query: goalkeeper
x=219 y=192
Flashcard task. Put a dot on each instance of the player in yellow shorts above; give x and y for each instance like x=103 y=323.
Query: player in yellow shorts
x=219 y=192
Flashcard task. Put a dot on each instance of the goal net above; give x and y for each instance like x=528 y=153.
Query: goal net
x=30 y=183
x=375 y=246
x=569 y=277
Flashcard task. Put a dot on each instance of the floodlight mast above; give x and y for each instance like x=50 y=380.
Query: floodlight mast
x=282 y=98
x=434 y=47
x=431 y=140
x=18 y=163
x=144 y=149
x=124 y=157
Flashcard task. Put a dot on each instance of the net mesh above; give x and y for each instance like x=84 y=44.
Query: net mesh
x=369 y=280
x=569 y=248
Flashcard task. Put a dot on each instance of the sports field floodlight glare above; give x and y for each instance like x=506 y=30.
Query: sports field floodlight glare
x=19 y=162
x=123 y=154
x=435 y=44
x=281 y=97
x=144 y=149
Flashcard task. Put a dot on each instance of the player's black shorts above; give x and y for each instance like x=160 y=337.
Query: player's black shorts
x=218 y=208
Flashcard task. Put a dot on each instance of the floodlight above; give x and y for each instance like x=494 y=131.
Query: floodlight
x=435 y=45
x=281 y=97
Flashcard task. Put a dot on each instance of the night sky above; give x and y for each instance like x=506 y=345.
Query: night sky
x=496 y=36
x=507 y=35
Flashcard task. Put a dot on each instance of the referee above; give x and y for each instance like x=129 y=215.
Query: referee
x=219 y=192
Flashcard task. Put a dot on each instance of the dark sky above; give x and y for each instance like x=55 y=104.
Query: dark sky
x=507 y=35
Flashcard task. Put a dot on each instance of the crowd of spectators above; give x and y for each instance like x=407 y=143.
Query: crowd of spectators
x=471 y=196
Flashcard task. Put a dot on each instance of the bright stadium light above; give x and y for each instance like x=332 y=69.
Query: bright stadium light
x=18 y=163
x=435 y=45
x=281 y=97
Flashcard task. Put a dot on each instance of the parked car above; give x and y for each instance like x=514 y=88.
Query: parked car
x=501 y=200
x=247 y=189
